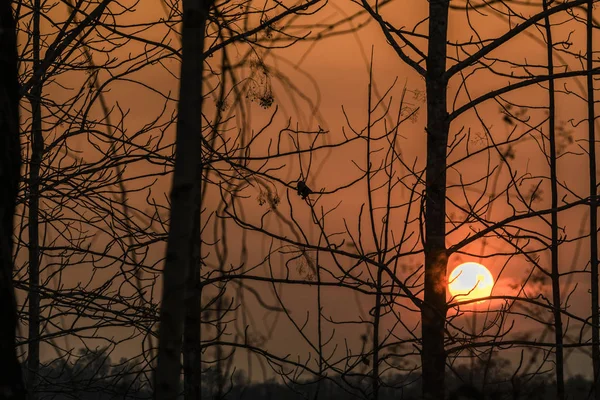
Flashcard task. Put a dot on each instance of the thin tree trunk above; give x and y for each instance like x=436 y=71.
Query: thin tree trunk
x=185 y=200
x=593 y=203
x=377 y=311
x=37 y=148
x=433 y=311
x=558 y=330
x=11 y=380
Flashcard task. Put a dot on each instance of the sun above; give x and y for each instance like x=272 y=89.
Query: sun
x=470 y=281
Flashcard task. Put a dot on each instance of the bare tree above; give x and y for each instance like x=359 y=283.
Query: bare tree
x=11 y=381
x=283 y=227
x=76 y=197
x=37 y=150
x=195 y=144
x=184 y=229
x=452 y=146
x=554 y=246
x=433 y=312
x=593 y=193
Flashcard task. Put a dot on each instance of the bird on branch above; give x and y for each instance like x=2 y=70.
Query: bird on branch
x=303 y=190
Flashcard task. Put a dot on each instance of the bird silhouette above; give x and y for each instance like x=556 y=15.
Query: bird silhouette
x=303 y=190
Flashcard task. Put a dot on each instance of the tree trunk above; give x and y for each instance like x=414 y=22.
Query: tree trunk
x=558 y=330
x=593 y=203
x=11 y=381
x=185 y=200
x=37 y=148
x=433 y=311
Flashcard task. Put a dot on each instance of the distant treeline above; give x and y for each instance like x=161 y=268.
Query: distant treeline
x=91 y=375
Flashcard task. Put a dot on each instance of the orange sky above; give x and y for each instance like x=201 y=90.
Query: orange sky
x=340 y=70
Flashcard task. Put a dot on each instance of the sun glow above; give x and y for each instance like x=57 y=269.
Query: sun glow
x=470 y=281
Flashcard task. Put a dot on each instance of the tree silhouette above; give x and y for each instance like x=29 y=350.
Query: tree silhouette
x=300 y=254
x=11 y=382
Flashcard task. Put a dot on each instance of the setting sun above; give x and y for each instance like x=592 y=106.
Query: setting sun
x=470 y=281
